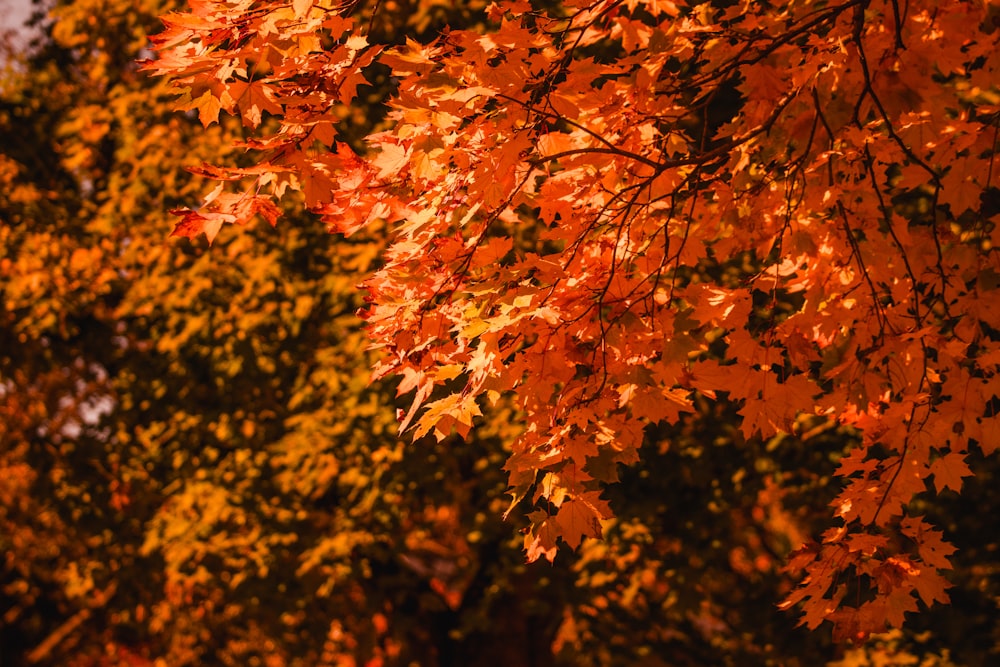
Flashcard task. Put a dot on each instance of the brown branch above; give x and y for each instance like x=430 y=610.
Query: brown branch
x=57 y=636
x=858 y=39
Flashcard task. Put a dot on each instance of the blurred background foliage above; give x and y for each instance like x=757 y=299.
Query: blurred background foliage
x=194 y=470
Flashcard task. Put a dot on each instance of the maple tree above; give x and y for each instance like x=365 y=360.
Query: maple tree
x=193 y=471
x=606 y=209
x=190 y=469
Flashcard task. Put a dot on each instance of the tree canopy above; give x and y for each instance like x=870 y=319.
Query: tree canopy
x=606 y=209
x=709 y=281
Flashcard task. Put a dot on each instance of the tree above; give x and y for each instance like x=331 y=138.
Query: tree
x=609 y=209
x=190 y=468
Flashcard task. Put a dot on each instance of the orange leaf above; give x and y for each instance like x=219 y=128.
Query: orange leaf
x=194 y=223
x=949 y=470
x=576 y=520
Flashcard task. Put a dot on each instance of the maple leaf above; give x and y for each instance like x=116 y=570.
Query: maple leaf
x=931 y=547
x=541 y=540
x=771 y=406
x=932 y=587
x=577 y=519
x=456 y=409
x=948 y=471
x=894 y=607
x=990 y=427
x=195 y=223
x=208 y=106
x=264 y=207
x=390 y=161
x=253 y=99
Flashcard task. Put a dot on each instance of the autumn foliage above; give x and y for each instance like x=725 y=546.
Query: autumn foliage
x=607 y=209
x=712 y=282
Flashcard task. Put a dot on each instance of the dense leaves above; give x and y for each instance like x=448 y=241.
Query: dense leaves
x=193 y=469
x=606 y=209
x=588 y=237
